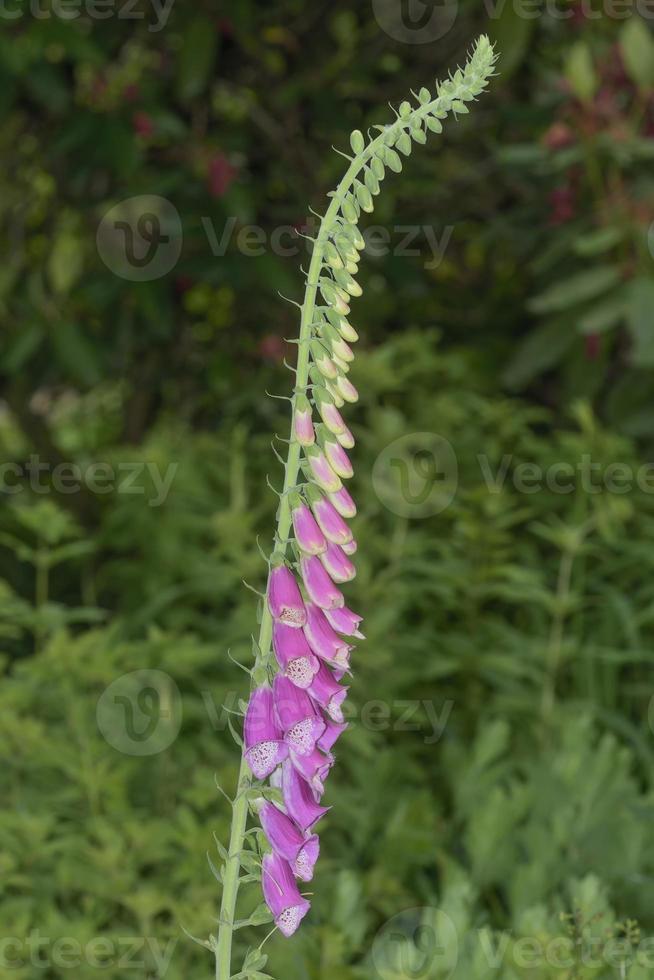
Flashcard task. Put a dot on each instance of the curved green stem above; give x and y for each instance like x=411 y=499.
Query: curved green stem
x=458 y=89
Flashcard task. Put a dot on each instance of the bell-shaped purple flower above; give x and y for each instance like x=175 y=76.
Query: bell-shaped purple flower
x=300 y=850
x=330 y=414
x=331 y=734
x=302 y=422
x=294 y=655
x=319 y=585
x=332 y=525
x=345 y=621
x=345 y=438
x=337 y=564
x=323 y=640
x=343 y=502
x=328 y=693
x=298 y=719
x=350 y=547
x=282 y=895
x=337 y=458
x=299 y=801
x=321 y=471
x=346 y=389
x=263 y=738
x=314 y=769
x=307 y=533
x=284 y=596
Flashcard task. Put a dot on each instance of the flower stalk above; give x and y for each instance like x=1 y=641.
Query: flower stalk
x=294 y=716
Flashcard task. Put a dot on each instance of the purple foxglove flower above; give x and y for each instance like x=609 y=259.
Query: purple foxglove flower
x=321 y=471
x=323 y=640
x=305 y=862
x=328 y=693
x=314 y=769
x=330 y=415
x=346 y=389
x=282 y=895
x=297 y=716
x=342 y=349
x=263 y=739
x=337 y=563
x=343 y=502
x=345 y=438
x=337 y=458
x=347 y=331
x=308 y=535
x=329 y=520
x=284 y=597
x=350 y=547
x=302 y=422
x=331 y=734
x=344 y=621
x=334 y=394
x=318 y=584
x=300 y=850
x=294 y=655
x=299 y=801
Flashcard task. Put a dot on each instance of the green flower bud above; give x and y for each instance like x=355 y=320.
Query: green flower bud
x=364 y=198
x=357 y=141
x=392 y=161
x=349 y=209
x=404 y=144
x=372 y=183
x=377 y=167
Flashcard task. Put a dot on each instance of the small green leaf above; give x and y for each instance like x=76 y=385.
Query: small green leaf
x=196 y=58
x=576 y=289
x=639 y=321
x=541 y=350
x=580 y=71
x=637 y=49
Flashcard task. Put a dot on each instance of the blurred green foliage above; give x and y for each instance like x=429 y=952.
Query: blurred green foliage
x=521 y=623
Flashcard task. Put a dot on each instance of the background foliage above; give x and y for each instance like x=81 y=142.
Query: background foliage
x=524 y=619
